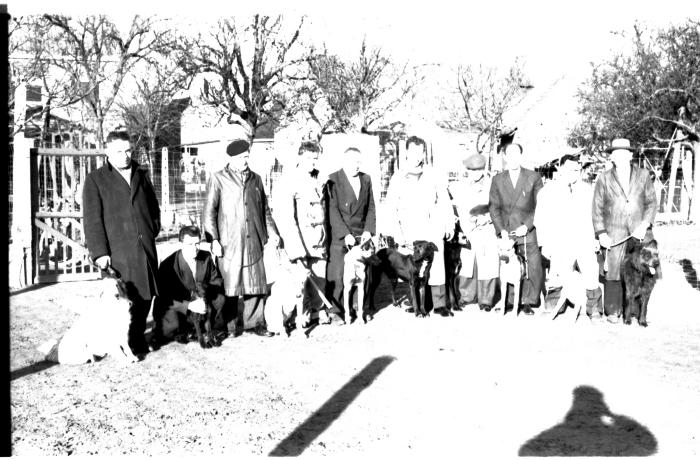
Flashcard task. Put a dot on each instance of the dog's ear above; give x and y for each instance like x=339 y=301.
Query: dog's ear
x=432 y=246
x=373 y=260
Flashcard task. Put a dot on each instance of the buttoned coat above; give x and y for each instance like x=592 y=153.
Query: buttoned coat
x=618 y=214
x=349 y=214
x=512 y=207
x=235 y=213
x=122 y=221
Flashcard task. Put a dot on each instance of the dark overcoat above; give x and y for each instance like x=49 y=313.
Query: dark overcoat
x=618 y=214
x=512 y=207
x=349 y=214
x=177 y=281
x=122 y=221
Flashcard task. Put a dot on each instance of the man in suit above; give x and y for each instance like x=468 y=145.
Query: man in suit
x=234 y=218
x=512 y=202
x=351 y=215
x=121 y=220
x=189 y=280
x=624 y=204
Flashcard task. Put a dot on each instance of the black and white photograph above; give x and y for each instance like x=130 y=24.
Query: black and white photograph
x=435 y=230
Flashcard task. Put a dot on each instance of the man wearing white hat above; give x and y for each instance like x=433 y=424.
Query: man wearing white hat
x=624 y=205
x=477 y=277
x=235 y=222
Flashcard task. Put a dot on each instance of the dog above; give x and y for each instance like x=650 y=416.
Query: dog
x=286 y=293
x=201 y=322
x=639 y=272
x=355 y=276
x=512 y=270
x=573 y=289
x=103 y=329
x=413 y=269
x=453 y=265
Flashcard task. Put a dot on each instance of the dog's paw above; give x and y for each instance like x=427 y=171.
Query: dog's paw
x=628 y=321
x=643 y=323
x=204 y=344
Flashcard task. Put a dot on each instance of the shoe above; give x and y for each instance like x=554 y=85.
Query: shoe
x=261 y=331
x=528 y=310
x=613 y=319
x=486 y=308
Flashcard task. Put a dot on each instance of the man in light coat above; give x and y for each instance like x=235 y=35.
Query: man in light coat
x=479 y=272
x=418 y=207
x=235 y=222
x=565 y=232
x=624 y=205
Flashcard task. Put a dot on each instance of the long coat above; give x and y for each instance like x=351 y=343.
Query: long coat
x=122 y=221
x=618 y=214
x=347 y=213
x=512 y=207
x=235 y=214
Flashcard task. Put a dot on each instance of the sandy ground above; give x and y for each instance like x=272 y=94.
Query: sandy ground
x=478 y=383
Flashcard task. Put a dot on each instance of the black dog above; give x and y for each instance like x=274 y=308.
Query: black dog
x=408 y=268
x=202 y=322
x=453 y=265
x=639 y=272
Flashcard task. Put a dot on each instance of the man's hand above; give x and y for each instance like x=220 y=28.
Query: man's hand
x=216 y=249
x=504 y=234
x=521 y=231
x=604 y=240
x=180 y=306
x=365 y=237
x=349 y=240
x=197 y=306
x=641 y=231
x=103 y=262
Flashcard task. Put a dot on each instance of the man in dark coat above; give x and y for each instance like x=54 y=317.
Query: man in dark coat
x=235 y=219
x=352 y=215
x=188 y=276
x=624 y=205
x=512 y=202
x=121 y=220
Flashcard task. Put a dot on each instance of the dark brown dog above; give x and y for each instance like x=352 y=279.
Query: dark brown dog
x=639 y=272
x=413 y=269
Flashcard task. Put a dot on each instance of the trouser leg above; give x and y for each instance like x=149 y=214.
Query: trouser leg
x=594 y=304
x=334 y=278
x=137 y=327
x=251 y=311
x=486 y=291
x=613 y=298
x=532 y=286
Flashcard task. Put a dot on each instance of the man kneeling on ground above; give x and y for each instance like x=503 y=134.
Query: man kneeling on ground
x=190 y=281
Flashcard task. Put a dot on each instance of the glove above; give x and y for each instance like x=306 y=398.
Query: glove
x=504 y=234
x=216 y=249
x=641 y=231
x=365 y=236
x=349 y=240
x=521 y=231
x=604 y=240
x=197 y=306
x=103 y=262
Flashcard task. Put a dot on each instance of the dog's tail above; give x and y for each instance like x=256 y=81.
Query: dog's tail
x=50 y=350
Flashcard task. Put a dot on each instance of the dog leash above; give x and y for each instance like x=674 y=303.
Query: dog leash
x=605 y=263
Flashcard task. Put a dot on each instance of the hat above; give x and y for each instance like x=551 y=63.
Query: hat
x=236 y=147
x=476 y=161
x=478 y=210
x=620 y=144
x=237 y=139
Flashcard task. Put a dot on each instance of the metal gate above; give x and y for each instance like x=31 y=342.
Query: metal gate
x=58 y=239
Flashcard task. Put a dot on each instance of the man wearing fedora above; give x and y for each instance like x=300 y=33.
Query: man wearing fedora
x=477 y=277
x=513 y=198
x=235 y=222
x=624 y=205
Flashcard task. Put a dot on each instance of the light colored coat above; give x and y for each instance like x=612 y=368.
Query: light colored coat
x=618 y=213
x=235 y=213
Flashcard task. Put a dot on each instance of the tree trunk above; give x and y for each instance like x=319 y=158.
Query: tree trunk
x=675 y=160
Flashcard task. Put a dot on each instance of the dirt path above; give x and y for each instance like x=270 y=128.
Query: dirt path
x=474 y=384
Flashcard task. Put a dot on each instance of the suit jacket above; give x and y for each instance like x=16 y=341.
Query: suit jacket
x=346 y=213
x=512 y=207
x=123 y=223
x=618 y=214
x=179 y=283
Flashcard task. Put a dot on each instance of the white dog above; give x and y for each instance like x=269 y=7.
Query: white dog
x=102 y=329
x=286 y=291
x=573 y=289
x=354 y=275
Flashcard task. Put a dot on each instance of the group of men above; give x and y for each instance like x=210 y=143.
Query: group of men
x=317 y=220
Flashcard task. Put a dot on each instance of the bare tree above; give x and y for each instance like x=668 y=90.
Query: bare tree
x=483 y=95
x=96 y=56
x=245 y=66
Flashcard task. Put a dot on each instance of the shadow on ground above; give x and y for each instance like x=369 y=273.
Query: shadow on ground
x=590 y=429
x=304 y=434
x=691 y=275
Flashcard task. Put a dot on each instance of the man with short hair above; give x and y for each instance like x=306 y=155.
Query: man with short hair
x=624 y=205
x=235 y=222
x=512 y=203
x=121 y=221
x=565 y=232
x=189 y=280
x=419 y=208
x=300 y=217
x=352 y=217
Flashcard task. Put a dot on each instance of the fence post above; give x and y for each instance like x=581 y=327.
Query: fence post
x=167 y=215
x=675 y=161
x=21 y=254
